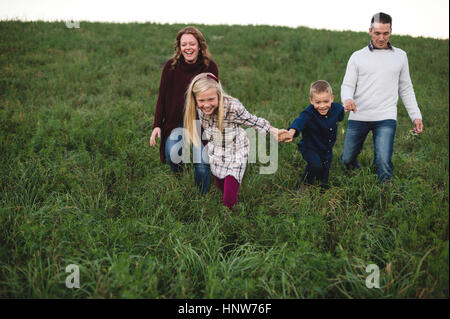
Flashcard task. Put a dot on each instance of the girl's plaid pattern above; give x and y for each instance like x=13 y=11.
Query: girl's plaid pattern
x=228 y=150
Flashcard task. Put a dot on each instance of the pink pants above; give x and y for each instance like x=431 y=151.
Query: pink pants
x=229 y=186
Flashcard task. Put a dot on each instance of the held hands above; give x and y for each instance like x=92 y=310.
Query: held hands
x=349 y=105
x=275 y=132
x=156 y=132
x=278 y=133
x=286 y=136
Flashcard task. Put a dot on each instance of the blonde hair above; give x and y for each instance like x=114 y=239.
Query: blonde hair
x=198 y=85
x=320 y=86
x=204 y=51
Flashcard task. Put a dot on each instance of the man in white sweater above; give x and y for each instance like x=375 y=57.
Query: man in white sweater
x=374 y=78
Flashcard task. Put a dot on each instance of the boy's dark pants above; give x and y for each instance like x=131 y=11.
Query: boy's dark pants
x=318 y=167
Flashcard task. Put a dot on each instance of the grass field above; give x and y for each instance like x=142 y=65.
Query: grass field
x=80 y=184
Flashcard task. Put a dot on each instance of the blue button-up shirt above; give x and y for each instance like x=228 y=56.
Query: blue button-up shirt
x=318 y=131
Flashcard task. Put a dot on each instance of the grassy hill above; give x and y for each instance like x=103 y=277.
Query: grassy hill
x=80 y=184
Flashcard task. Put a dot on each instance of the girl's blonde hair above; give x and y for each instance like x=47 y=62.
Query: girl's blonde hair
x=198 y=85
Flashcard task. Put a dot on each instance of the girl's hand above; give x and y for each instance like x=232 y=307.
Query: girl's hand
x=274 y=131
x=156 y=132
x=282 y=135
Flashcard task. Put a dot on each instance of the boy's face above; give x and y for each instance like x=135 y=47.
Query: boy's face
x=207 y=101
x=322 y=102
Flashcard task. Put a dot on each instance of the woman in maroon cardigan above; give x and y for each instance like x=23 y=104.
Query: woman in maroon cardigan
x=191 y=58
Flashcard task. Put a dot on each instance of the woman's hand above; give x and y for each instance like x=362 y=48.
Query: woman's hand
x=156 y=132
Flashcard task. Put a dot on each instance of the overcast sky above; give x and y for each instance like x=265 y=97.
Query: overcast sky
x=427 y=18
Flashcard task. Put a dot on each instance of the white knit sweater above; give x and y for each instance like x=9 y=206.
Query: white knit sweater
x=374 y=79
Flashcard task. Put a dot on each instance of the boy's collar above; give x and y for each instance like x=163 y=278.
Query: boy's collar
x=329 y=113
x=372 y=47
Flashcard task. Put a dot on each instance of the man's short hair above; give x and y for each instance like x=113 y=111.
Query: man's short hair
x=320 y=87
x=381 y=17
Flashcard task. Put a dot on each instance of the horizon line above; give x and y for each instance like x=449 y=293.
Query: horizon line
x=62 y=20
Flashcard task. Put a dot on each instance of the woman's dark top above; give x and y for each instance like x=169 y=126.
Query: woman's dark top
x=172 y=89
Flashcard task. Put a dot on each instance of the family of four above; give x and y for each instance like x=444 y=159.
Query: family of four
x=190 y=91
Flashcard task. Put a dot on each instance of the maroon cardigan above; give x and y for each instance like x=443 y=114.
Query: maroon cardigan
x=170 y=105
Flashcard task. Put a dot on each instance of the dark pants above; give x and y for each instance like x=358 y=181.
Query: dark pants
x=229 y=186
x=317 y=168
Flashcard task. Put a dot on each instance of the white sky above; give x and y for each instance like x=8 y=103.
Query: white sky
x=429 y=18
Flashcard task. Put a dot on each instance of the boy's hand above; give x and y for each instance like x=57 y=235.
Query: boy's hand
x=349 y=105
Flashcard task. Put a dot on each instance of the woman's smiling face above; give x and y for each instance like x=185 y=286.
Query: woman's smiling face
x=189 y=48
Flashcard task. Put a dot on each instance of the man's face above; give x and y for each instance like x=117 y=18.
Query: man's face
x=380 y=33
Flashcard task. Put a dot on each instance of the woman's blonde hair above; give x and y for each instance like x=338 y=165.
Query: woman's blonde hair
x=198 y=85
x=204 y=51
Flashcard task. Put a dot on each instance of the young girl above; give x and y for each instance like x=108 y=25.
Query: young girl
x=221 y=117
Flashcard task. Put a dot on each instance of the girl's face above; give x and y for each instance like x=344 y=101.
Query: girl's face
x=207 y=101
x=189 y=48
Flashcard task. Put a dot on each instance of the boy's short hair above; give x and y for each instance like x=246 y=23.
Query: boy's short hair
x=320 y=87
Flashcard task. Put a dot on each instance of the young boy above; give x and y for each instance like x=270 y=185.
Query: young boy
x=318 y=124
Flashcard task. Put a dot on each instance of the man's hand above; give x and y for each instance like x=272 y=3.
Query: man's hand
x=156 y=132
x=418 y=126
x=349 y=105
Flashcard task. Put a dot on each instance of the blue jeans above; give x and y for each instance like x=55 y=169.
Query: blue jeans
x=383 y=140
x=173 y=155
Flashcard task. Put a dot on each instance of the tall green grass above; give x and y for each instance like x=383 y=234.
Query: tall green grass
x=80 y=185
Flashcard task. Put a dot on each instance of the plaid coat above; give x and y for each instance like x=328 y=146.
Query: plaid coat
x=228 y=150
